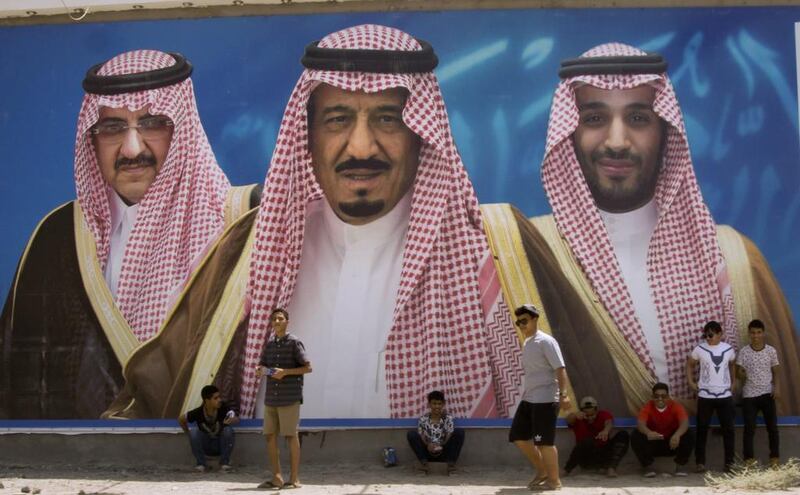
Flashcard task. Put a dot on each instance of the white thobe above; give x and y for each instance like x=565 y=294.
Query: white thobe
x=123 y=218
x=630 y=235
x=342 y=310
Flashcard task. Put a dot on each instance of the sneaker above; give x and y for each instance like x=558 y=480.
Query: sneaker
x=650 y=474
x=680 y=471
x=201 y=468
x=774 y=462
x=700 y=468
x=226 y=468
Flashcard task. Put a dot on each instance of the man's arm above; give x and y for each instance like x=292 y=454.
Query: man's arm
x=690 y=365
x=231 y=420
x=675 y=439
x=449 y=428
x=775 y=384
x=573 y=416
x=282 y=372
x=641 y=425
x=603 y=434
x=741 y=374
x=563 y=388
x=732 y=371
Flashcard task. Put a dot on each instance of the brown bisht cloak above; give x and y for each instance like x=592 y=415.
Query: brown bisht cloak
x=535 y=265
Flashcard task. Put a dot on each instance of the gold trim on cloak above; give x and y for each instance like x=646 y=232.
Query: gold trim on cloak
x=740 y=274
x=237 y=202
x=636 y=379
x=24 y=258
x=221 y=329
x=116 y=328
x=513 y=267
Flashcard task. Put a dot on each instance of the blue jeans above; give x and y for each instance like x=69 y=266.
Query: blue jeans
x=203 y=444
x=449 y=454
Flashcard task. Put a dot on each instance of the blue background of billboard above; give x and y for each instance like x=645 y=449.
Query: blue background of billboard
x=734 y=71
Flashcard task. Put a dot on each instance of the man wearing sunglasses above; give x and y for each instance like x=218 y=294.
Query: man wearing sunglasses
x=714 y=388
x=98 y=273
x=662 y=429
x=596 y=444
x=545 y=393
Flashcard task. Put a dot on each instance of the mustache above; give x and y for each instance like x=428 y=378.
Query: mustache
x=143 y=159
x=368 y=164
x=617 y=155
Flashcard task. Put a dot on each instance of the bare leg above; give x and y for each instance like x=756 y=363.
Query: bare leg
x=534 y=456
x=549 y=455
x=274 y=459
x=294 y=451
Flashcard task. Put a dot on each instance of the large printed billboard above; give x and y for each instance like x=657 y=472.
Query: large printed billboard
x=426 y=311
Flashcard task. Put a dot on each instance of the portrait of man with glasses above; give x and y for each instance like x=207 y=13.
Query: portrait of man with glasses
x=98 y=273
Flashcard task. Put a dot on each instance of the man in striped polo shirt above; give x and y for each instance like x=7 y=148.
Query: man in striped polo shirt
x=284 y=363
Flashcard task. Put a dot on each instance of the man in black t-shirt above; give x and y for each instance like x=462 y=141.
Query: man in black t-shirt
x=213 y=434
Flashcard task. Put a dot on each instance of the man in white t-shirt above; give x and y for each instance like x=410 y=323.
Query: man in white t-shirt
x=714 y=390
x=757 y=366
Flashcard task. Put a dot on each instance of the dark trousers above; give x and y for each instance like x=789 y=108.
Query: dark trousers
x=647 y=450
x=725 y=414
x=750 y=406
x=203 y=445
x=587 y=454
x=450 y=450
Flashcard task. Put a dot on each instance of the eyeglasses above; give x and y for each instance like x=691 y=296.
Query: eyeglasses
x=586 y=408
x=522 y=323
x=151 y=127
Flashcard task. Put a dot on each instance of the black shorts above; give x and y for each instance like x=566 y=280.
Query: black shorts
x=535 y=421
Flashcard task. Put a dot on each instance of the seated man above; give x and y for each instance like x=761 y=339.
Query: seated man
x=595 y=446
x=662 y=429
x=436 y=438
x=214 y=432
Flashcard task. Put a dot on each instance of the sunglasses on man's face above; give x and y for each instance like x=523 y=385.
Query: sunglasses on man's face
x=522 y=322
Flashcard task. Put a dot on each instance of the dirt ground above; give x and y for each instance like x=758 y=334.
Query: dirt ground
x=329 y=480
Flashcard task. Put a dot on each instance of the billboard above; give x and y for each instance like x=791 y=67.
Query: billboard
x=733 y=73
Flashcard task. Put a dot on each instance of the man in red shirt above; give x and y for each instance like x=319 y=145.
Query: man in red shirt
x=662 y=429
x=595 y=445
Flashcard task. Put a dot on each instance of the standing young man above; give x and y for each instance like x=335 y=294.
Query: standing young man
x=214 y=432
x=546 y=385
x=757 y=365
x=284 y=363
x=714 y=390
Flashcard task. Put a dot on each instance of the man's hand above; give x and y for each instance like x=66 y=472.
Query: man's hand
x=693 y=385
x=564 y=403
x=580 y=415
x=674 y=441
x=278 y=374
x=231 y=419
x=654 y=435
x=260 y=371
x=602 y=436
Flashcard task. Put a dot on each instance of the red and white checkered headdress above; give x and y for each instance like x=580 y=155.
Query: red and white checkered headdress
x=182 y=210
x=686 y=270
x=447 y=268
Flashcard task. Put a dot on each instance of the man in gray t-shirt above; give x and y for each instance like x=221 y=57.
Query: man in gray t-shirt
x=546 y=386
